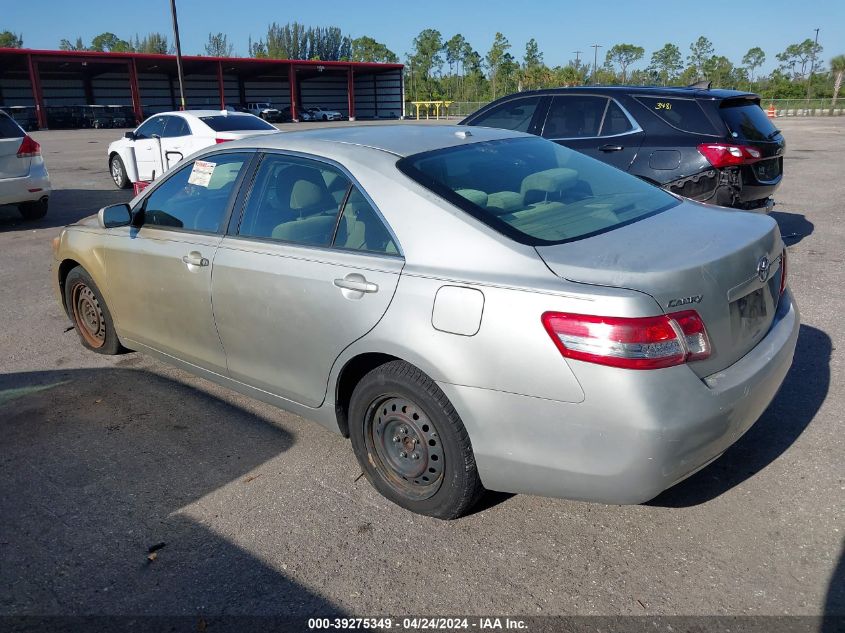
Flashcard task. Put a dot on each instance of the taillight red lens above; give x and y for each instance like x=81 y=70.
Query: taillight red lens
x=727 y=155
x=638 y=343
x=219 y=140
x=783 y=272
x=29 y=148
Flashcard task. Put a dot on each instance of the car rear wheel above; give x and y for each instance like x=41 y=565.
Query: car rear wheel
x=90 y=315
x=411 y=443
x=33 y=210
x=118 y=172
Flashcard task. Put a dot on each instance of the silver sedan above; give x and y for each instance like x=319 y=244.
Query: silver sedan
x=472 y=308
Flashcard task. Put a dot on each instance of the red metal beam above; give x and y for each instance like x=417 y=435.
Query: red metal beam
x=293 y=91
x=135 y=90
x=37 y=95
x=350 y=90
x=221 y=86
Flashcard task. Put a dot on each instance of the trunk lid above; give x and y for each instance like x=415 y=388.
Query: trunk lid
x=689 y=257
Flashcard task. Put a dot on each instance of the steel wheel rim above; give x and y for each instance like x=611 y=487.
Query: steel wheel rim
x=115 y=171
x=88 y=315
x=405 y=447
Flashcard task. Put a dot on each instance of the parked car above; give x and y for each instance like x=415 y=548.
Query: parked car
x=320 y=114
x=24 y=116
x=473 y=308
x=715 y=146
x=265 y=110
x=24 y=180
x=165 y=139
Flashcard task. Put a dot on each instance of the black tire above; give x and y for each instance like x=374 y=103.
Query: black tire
x=397 y=410
x=33 y=210
x=89 y=313
x=325 y=118
x=117 y=170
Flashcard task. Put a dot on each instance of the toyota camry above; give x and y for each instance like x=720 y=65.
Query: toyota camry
x=474 y=308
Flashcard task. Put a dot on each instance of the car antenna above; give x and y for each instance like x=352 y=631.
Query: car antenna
x=704 y=84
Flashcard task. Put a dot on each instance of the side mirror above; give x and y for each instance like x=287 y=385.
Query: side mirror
x=130 y=136
x=114 y=215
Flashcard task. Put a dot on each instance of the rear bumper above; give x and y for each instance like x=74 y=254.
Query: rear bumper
x=636 y=434
x=17 y=190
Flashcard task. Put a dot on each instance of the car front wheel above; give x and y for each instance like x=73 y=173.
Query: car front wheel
x=90 y=315
x=118 y=172
x=411 y=443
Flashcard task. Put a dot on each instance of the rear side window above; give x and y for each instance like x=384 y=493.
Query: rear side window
x=682 y=114
x=574 y=116
x=511 y=115
x=615 y=121
x=361 y=229
x=535 y=191
x=748 y=121
x=235 y=123
x=8 y=128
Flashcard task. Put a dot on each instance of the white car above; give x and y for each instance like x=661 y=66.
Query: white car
x=321 y=114
x=24 y=180
x=264 y=110
x=165 y=139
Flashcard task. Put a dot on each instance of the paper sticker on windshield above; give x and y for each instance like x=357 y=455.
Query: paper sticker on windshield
x=201 y=173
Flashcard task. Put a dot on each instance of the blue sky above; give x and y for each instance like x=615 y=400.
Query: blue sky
x=560 y=27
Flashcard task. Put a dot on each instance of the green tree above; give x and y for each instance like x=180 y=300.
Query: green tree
x=153 y=43
x=700 y=51
x=67 y=45
x=837 y=67
x=718 y=70
x=666 y=63
x=569 y=75
x=426 y=56
x=218 y=45
x=109 y=42
x=624 y=55
x=535 y=73
x=799 y=55
x=366 y=49
x=496 y=59
x=753 y=59
x=454 y=49
x=10 y=40
x=256 y=49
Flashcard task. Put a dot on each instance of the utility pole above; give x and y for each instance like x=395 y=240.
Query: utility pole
x=178 y=55
x=595 y=48
x=577 y=59
x=812 y=68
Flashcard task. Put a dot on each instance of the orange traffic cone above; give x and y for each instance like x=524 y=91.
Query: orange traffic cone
x=771 y=112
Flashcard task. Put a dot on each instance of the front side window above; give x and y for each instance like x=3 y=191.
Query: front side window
x=534 y=191
x=574 y=116
x=153 y=126
x=294 y=200
x=195 y=198
x=511 y=115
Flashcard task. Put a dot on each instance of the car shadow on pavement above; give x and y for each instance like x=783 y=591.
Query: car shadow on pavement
x=794 y=407
x=107 y=504
x=66 y=206
x=794 y=227
x=834 y=604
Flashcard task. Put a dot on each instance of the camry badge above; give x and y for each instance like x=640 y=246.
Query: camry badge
x=763 y=268
x=683 y=301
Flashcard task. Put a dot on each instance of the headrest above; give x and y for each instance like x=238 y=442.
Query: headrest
x=473 y=195
x=550 y=180
x=503 y=202
x=306 y=193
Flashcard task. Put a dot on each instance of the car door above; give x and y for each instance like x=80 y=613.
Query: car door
x=593 y=125
x=175 y=140
x=146 y=146
x=160 y=269
x=310 y=268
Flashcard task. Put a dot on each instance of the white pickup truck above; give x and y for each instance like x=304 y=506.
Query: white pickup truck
x=264 y=110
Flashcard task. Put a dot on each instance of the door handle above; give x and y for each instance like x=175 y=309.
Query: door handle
x=194 y=259
x=611 y=148
x=359 y=285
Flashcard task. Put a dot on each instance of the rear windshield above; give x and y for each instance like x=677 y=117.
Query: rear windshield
x=8 y=128
x=748 y=121
x=535 y=191
x=235 y=122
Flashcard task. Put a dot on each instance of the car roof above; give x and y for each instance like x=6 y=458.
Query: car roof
x=698 y=93
x=403 y=139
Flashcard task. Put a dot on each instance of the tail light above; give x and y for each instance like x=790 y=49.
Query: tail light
x=29 y=147
x=726 y=155
x=783 y=272
x=639 y=343
x=219 y=140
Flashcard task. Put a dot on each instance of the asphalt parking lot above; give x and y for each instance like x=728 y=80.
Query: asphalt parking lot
x=262 y=512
